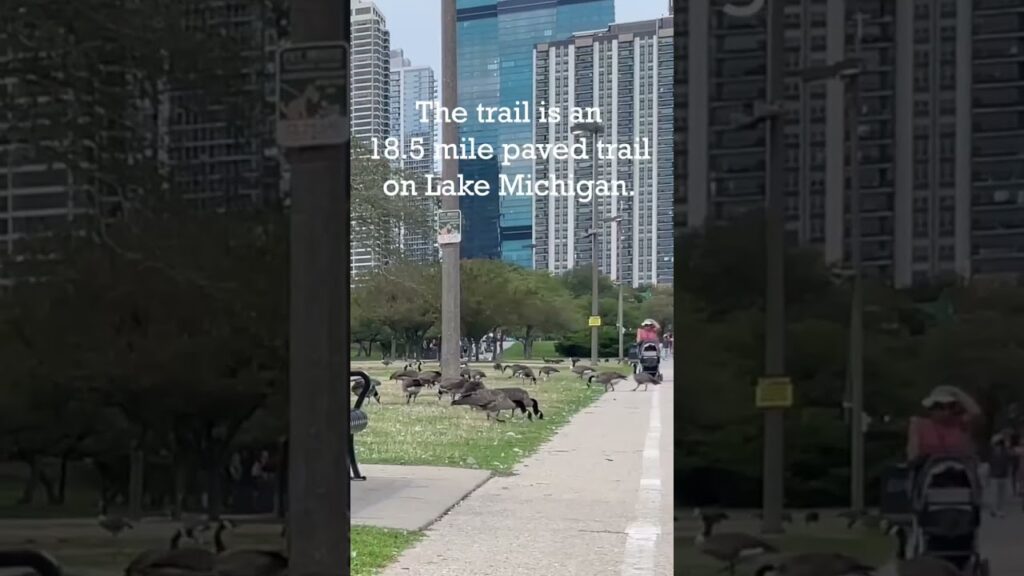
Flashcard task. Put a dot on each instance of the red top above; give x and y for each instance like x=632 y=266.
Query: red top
x=935 y=439
x=647 y=335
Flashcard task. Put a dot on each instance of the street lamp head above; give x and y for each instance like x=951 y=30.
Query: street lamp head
x=617 y=218
x=587 y=128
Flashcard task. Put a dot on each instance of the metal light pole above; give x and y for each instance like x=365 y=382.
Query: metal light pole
x=318 y=483
x=771 y=112
x=848 y=70
x=856 y=361
x=593 y=129
x=451 y=283
x=617 y=232
x=775 y=311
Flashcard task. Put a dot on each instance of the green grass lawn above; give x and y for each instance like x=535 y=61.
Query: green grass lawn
x=434 y=433
x=830 y=535
x=375 y=548
x=541 y=349
x=86 y=550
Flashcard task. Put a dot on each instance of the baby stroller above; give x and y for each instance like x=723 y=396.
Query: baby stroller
x=649 y=360
x=946 y=503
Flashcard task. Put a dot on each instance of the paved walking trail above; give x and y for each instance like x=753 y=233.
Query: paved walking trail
x=1001 y=541
x=595 y=500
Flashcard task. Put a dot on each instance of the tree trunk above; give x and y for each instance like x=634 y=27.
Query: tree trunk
x=28 y=493
x=62 y=481
x=51 y=490
x=179 y=488
x=214 y=491
x=394 y=347
x=136 y=478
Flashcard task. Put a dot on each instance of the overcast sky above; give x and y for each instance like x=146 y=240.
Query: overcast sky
x=415 y=25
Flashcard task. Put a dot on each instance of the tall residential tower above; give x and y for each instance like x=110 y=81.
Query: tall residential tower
x=626 y=72
x=941 y=130
x=495 y=53
x=411 y=84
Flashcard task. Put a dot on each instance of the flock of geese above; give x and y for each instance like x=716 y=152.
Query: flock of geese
x=736 y=548
x=178 y=560
x=468 y=388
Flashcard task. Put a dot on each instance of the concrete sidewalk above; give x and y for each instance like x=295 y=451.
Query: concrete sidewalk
x=1001 y=539
x=410 y=497
x=595 y=500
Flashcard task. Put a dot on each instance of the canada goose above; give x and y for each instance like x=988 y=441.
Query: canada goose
x=546 y=371
x=450 y=385
x=146 y=557
x=514 y=368
x=470 y=387
x=520 y=396
x=787 y=517
x=464 y=373
x=581 y=370
x=608 y=379
x=176 y=561
x=477 y=374
x=552 y=360
x=357 y=389
x=114 y=525
x=411 y=387
x=526 y=374
x=917 y=566
x=713 y=517
x=406 y=373
x=429 y=377
x=730 y=547
x=417 y=363
x=386 y=362
x=194 y=528
x=817 y=564
x=489 y=401
x=574 y=361
x=247 y=562
x=644 y=379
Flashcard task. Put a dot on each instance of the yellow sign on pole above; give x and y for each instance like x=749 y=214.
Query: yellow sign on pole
x=594 y=321
x=776 y=392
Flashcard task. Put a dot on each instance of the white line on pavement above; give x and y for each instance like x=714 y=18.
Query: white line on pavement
x=642 y=534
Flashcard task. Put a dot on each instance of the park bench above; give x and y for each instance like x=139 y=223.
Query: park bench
x=33 y=561
x=358 y=420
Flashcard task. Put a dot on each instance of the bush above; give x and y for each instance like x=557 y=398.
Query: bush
x=577 y=344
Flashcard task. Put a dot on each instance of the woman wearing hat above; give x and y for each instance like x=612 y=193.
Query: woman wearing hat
x=648 y=332
x=946 y=429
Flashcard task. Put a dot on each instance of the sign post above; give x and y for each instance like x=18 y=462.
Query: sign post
x=774 y=392
x=594 y=321
x=312 y=95
x=449 y=226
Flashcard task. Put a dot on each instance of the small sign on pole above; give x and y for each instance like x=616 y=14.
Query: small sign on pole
x=774 y=392
x=449 y=226
x=312 y=95
x=594 y=321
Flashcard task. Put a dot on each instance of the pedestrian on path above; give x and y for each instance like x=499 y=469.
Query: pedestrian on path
x=999 y=465
x=946 y=429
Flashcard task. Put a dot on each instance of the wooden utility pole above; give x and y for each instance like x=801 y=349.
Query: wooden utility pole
x=451 y=282
x=318 y=483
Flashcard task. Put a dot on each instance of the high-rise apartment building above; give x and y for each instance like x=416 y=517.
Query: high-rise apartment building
x=371 y=77
x=496 y=40
x=226 y=156
x=411 y=84
x=942 y=185
x=371 y=113
x=218 y=156
x=626 y=72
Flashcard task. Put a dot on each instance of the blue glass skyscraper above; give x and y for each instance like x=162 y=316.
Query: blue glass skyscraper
x=496 y=42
